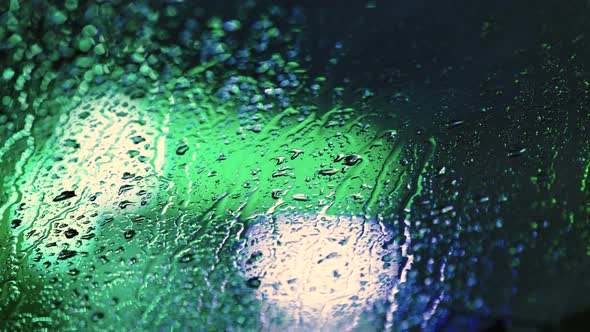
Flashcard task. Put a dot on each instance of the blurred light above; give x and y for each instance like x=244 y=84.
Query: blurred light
x=320 y=271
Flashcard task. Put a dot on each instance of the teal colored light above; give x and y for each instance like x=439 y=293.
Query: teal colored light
x=172 y=174
x=292 y=164
x=134 y=177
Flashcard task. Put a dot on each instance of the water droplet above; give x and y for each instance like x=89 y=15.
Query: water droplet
x=127 y=176
x=446 y=209
x=454 y=123
x=352 y=159
x=182 y=150
x=186 y=258
x=73 y=272
x=296 y=153
x=129 y=234
x=87 y=236
x=124 y=188
x=516 y=153
x=70 y=233
x=64 y=195
x=66 y=254
x=256 y=256
x=15 y=223
x=253 y=282
x=124 y=204
x=339 y=157
x=275 y=193
x=97 y=316
x=133 y=153
x=137 y=139
x=300 y=197
x=71 y=143
x=330 y=171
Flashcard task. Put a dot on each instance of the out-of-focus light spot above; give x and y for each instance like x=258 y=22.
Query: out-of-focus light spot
x=320 y=272
x=96 y=144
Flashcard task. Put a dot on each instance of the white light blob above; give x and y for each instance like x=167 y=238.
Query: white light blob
x=88 y=153
x=318 y=272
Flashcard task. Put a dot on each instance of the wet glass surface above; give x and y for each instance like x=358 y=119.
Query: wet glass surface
x=375 y=165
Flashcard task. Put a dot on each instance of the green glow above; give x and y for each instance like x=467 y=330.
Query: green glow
x=258 y=163
x=224 y=176
x=585 y=177
x=290 y=165
x=135 y=173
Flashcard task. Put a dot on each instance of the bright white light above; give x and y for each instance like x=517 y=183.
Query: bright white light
x=89 y=151
x=318 y=272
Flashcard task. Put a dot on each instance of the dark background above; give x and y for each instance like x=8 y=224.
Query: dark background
x=502 y=87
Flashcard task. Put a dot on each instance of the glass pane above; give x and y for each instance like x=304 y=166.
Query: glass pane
x=244 y=165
